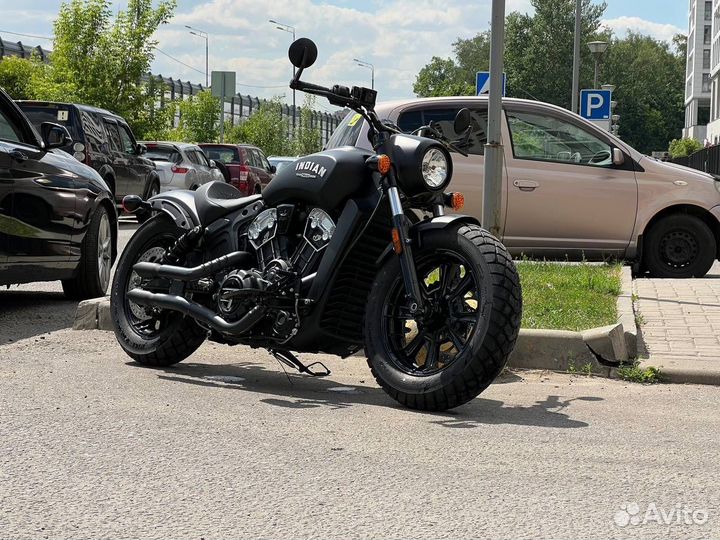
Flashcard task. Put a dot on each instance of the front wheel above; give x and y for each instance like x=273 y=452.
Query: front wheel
x=451 y=352
x=679 y=246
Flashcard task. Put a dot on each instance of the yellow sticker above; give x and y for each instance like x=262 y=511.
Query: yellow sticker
x=354 y=120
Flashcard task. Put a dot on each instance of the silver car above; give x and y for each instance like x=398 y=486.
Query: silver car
x=181 y=165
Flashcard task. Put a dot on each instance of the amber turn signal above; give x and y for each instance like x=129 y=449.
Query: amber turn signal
x=383 y=164
x=397 y=243
x=455 y=200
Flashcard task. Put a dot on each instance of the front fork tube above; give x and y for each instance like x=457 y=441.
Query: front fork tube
x=407 y=263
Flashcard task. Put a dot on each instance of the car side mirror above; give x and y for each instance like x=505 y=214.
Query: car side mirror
x=54 y=135
x=140 y=149
x=273 y=169
x=618 y=157
x=213 y=165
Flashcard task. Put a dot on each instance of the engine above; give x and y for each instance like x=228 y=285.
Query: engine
x=288 y=249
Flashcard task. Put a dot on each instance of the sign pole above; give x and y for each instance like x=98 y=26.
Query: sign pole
x=492 y=190
x=576 y=58
x=222 y=110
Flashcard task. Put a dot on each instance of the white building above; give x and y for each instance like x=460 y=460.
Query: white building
x=713 y=129
x=697 y=76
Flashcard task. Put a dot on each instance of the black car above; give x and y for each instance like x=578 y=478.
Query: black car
x=102 y=140
x=57 y=216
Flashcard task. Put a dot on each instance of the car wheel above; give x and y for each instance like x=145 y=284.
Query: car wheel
x=93 y=276
x=154 y=190
x=679 y=246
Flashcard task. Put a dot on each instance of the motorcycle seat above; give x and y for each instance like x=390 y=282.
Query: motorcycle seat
x=217 y=199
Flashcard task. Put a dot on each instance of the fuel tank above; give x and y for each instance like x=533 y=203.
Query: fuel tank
x=325 y=179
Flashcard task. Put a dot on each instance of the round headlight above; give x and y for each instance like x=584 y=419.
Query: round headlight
x=434 y=168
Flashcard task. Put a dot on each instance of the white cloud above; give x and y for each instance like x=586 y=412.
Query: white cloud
x=622 y=25
x=398 y=36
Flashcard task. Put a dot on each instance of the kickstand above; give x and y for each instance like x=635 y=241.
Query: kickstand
x=289 y=359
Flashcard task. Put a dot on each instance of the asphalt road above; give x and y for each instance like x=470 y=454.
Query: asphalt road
x=226 y=445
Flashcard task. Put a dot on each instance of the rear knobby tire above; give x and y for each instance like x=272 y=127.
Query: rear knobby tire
x=486 y=352
x=179 y=336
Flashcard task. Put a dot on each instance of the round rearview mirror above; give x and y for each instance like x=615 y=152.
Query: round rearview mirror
x=302 y=53
x=462 y=120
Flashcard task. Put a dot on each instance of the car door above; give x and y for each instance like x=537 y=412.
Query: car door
x=202 y=166
x=468 y=171
x=266 y=168
x=120 y=160
x=138 y=167
x=261 y=176
x=37 y=202
x=565 y=197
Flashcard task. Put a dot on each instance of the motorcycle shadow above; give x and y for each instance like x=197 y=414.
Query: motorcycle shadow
x=292 y=391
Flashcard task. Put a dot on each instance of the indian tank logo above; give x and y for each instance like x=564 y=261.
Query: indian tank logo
x=309 y=169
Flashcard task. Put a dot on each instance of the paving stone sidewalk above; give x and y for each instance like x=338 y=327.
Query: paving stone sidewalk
x=680 y=325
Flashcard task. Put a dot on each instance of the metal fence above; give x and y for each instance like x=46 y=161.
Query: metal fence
x=237 y=108
x=240 y=107
x=706 y=160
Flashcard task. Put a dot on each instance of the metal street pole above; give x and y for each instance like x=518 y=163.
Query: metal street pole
x=595 y=83
x=291 y=30
x=576 y=57
x=363 y=63
x=202 y=34
x=492 y=190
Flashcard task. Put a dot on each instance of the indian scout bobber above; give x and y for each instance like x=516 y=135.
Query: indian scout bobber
x=332 y=257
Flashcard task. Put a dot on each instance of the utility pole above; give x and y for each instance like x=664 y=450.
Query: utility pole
x=290 y=29
x=202 y=34
x=371 y=67
x=492 y=190
x=576 y=57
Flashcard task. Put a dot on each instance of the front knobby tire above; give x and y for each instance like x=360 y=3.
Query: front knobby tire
x=447 y=357
x=157 y=339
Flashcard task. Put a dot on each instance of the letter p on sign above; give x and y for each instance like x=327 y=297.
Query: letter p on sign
x=595 y=104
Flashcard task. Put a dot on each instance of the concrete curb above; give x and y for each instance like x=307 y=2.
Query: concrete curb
x=93 y=314
x=626 y=312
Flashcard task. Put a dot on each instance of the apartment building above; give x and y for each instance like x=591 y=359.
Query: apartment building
x=698 y=84
x=713 y=129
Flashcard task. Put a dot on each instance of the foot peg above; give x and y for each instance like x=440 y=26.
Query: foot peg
x=289 y=359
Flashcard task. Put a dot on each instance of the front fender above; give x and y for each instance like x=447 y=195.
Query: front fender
x=419 y=229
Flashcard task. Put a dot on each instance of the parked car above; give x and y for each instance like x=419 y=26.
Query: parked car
x=249 y=169
x=181 y=165
x=102 y=140
x=57 y=217
x=279 y=162
x=571 y=189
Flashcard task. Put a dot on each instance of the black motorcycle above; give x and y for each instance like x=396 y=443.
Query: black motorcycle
x=334 y=256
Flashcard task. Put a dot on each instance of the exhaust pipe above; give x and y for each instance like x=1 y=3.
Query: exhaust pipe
x=154 y=270
x=198 y=312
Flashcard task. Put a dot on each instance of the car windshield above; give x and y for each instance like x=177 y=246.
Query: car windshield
x=51 y=112
x=163 y=153
x=280 y=164
x=223 y=154
x=347 y=133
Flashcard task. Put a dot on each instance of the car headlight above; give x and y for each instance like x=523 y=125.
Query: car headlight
x=434 y=168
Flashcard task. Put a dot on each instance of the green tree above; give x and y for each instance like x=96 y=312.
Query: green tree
x=307 y=138
x=539 y=49
x=266 y=129
x=199 y=116
x=100 y=60
x=17 y=74
x=650 y=106
x=684 y=147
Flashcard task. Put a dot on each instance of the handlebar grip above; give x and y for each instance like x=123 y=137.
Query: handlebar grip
x=340 y=90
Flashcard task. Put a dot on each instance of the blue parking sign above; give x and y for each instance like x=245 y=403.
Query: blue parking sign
x=595 y=104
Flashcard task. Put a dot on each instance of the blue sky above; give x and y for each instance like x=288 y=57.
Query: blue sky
x=398 y=36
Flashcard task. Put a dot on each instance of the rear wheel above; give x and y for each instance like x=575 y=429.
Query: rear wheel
x=453 y=351
x=679 y=246
x=151 y=337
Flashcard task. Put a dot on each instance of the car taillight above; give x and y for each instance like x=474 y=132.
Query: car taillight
x=178 y=170
x=244 y=171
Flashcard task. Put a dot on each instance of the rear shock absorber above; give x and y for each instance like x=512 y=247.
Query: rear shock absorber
x=184 y=245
